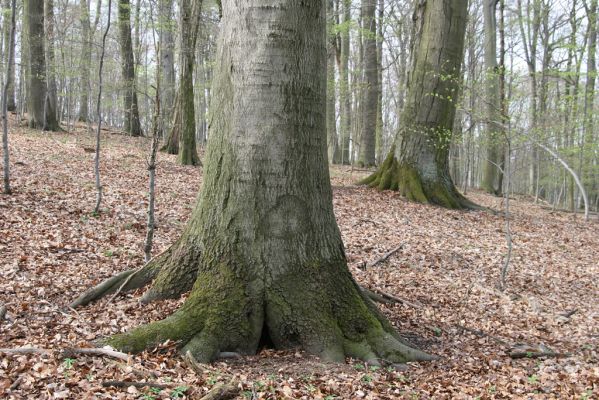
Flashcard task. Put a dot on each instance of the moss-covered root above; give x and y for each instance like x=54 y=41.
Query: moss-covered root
x=125 y=281
x=177 y=274
x=393 y=176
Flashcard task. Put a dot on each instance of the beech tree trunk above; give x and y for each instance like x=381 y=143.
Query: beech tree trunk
x=167 y=62
x=344 y=95
x=132 y=122
x=182 y=139
x=86 y=56
x=11 y=104
x=262 y=242
x=42 y=115
x=370 y=92
x=493 y=165
x=333 y=146
x=50 y=58
x=418 y=163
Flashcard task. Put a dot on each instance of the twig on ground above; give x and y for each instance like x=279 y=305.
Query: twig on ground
x=537 y=354
x=70 y=352
x=484 y=335
x=16 y=383
x=126 y=384
x=384 y=257
x=125 y=282
x=2 y=312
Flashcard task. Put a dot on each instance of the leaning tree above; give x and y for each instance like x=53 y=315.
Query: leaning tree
x=418 y=163
x=262 y=248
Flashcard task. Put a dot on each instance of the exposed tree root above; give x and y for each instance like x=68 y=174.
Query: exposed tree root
x=70 y=352
x=124 y=281
x=222 y=315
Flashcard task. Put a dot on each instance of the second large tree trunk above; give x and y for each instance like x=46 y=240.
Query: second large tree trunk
x=132 y=122
x=418 y=163
x=11 y=105
x=42 y=115
x=263 y=241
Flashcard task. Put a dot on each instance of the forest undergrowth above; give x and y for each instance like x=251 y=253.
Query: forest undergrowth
x=442 y=271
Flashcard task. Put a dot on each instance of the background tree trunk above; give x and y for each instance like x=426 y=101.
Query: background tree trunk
x=86 y=56
x=50 y=57
x=344 y=95
x=267 y=251
x=11 y=104
x=370 y=85
x=42 y=116
x=166 y=32
x=493 y=165
x=418 y=163
x=333 y=146
x=132 y=122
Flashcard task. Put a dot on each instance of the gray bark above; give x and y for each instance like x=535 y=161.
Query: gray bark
x=86 y=55
x=42 y=115
x=370 y=86
x=166 y=31
x=268 y=253
x=11 y=104
x=10 y=49
x=132 y=122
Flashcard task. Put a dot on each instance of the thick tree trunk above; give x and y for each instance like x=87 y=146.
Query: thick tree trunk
x=370 y=85
x=493 y=165
x=11 y=104
x=418 y=163
x=86 y=56
x=42 y=115
x=263 y=241
x=132 y=122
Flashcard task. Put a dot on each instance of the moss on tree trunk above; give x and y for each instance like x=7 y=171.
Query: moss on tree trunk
x=262 y=242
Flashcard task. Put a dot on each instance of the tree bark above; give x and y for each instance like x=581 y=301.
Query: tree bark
x=370 y=85
x=493 y=165
x=418 y=163
x=333 y=147
x=50 y=57
x=86 y=56
x=10 y=52
x=132 y=122
x=182 y=139
x=167 y=62
x=11 y=104
x=263 y=240
x=344 y=95
x=42 y=115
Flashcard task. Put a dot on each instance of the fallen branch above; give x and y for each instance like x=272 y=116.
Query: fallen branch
x=537 y=354
x=71 y=352
x=382 y=297
x=2 y=312
x=222 y=391
x=384 y=257
x=25 y=350
x=484 y=335
x=126 y=384
x=16 y=383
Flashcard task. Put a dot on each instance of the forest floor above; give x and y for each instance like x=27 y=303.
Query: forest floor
x=446 y=270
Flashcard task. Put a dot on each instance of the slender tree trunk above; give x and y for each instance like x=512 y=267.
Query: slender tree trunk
x=589 y=100
x=181 y=139
x=166 y=32
x=11 y=104
x=418 y=163
x=86 y=58
x=263 y=240
x=50 y=57
x=493 y=165
x=132 y=122
x=10 y=50
x=379 y=80
x=370 y=85
x=333 y=146
x=42 y=115
x=344 y=95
